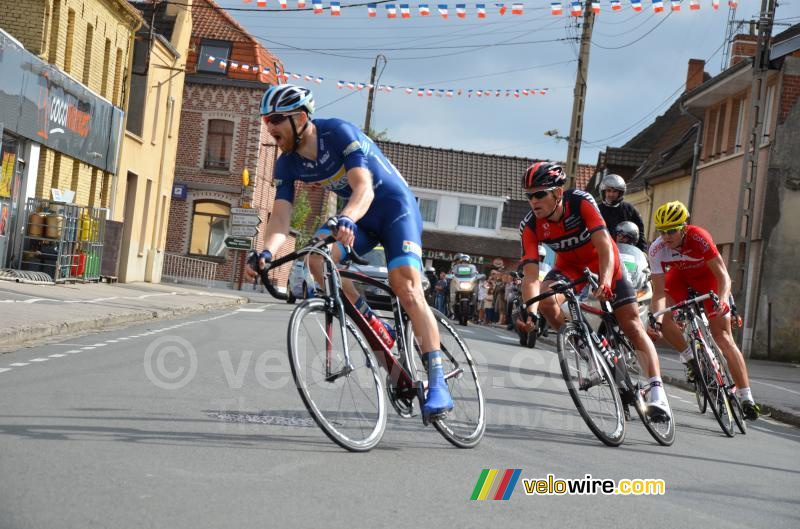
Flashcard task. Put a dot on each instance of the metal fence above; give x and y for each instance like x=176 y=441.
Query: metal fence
x=182 y=269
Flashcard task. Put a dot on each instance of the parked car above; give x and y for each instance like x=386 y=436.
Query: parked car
x=377 y=269
x=301 y=283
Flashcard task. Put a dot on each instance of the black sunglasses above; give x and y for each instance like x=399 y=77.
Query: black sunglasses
x=276 y=119
x=539 y=194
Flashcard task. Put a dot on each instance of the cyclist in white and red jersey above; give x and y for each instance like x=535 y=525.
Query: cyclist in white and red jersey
x=683 y=257
x=569 y=222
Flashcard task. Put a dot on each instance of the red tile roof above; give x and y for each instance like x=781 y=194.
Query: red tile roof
x=210 y=21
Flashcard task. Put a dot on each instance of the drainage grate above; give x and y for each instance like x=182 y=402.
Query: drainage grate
x=25 y=276
x=257 y=418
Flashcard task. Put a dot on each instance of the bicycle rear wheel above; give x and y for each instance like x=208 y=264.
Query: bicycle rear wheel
x=347 y=403
x=465 y=424
x=596 y=397
x=664 y=431
x=713 y=386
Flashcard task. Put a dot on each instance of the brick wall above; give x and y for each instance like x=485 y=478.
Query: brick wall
x=789 y=96
x=33 y=23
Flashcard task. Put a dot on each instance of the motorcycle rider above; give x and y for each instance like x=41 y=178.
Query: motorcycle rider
x=615 y=210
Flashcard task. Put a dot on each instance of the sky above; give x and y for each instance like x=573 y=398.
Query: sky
x=637 y=68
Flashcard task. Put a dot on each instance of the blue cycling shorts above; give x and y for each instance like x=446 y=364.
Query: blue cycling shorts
x=394 y=222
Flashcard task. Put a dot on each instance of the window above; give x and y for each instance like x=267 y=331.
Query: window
x=214 y=51
x=138 y=90
x=767 y=117
x=87 y=54
x=54 y=27
x=218 y=144
x=70 y=38
x=427 y=207
x=737 y=147
x=106 y=66
x=117 y=79
x=209 y=227
x=466 y=215
x=486 y=216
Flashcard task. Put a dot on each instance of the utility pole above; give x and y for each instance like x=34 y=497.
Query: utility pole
x=371 y=97
x=742 y=274
x=576 y=127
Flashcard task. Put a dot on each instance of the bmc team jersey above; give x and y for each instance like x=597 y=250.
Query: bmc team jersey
x=687 y=266
x=392 y=219
x=571 y=240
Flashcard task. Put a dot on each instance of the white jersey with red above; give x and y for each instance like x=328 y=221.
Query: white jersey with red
x=687 y=266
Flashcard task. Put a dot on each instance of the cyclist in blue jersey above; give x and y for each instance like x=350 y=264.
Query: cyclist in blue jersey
x=380 y=209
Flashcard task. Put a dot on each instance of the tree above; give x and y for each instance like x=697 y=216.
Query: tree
x=378 y=136
x=298 y=222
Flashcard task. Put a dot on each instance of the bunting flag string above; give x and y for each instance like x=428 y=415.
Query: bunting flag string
x=285 y=77
x=462 y=10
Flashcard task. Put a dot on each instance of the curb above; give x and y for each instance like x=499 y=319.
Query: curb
x=34 y=334
x=767 y=410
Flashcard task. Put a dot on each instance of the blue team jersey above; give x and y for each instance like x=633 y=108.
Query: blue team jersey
x=392 y=219
x=340 y=147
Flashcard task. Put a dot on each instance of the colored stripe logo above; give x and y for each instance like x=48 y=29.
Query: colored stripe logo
x=494 y=484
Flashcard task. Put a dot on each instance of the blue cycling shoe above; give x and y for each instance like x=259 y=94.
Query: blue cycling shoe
x=438 y=400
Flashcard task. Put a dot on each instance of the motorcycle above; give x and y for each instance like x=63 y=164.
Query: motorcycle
x=638 y=269
x=526 y=339
x=464 y=292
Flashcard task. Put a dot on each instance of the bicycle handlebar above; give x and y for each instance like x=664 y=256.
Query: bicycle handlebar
x=559 y=287
x=698 y=299
x=253 y=258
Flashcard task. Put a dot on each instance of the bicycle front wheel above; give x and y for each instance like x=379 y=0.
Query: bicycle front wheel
x=591 y=385
x=663 y=431
x=710 y=380
x=346 y=401
x=465 y=424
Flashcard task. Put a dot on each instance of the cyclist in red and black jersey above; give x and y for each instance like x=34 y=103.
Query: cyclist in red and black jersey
x=569 y=222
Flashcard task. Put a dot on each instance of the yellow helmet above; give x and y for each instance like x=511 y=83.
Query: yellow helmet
x=671 y=215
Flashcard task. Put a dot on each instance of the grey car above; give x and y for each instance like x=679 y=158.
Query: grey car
x=377 y=269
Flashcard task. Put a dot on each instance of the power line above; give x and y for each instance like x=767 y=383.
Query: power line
x=595 y=143
x=637 y=40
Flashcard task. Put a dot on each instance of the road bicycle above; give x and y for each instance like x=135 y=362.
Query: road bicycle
x=600 y=369
x=713 y=383
x=336 y=358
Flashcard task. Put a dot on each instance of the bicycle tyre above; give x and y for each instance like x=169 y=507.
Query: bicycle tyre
x=339 y=424
x=662 y=432
x=714 y=393
x=465 y=424
x=736 y=403
x=570 y=355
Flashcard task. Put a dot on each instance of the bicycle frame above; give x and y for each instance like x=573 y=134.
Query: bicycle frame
x=403 y=376
x=688 y=312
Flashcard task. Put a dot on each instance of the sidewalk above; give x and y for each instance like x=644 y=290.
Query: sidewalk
x=36 y=313
x=775 y=385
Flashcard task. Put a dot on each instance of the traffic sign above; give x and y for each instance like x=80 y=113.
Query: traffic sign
x=243 y=231
x=239 y=243
x=245 y=220
x=244 y=211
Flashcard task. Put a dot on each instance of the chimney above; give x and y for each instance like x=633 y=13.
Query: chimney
x=695 y=74
x=743 y=46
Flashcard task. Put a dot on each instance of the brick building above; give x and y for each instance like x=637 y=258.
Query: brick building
x=470 y=202
x=61 y=123
x=221 y=134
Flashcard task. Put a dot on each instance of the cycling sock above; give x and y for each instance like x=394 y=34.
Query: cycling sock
x=657 y=391
x=687 y=355
x=362 y=306
x=745 y=394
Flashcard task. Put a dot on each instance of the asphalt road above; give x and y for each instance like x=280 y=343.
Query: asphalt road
x=91 y=435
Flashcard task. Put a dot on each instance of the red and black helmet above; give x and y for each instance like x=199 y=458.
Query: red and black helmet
x=545 y=174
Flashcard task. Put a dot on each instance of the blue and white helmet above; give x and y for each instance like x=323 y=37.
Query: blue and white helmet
x=287 y=98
